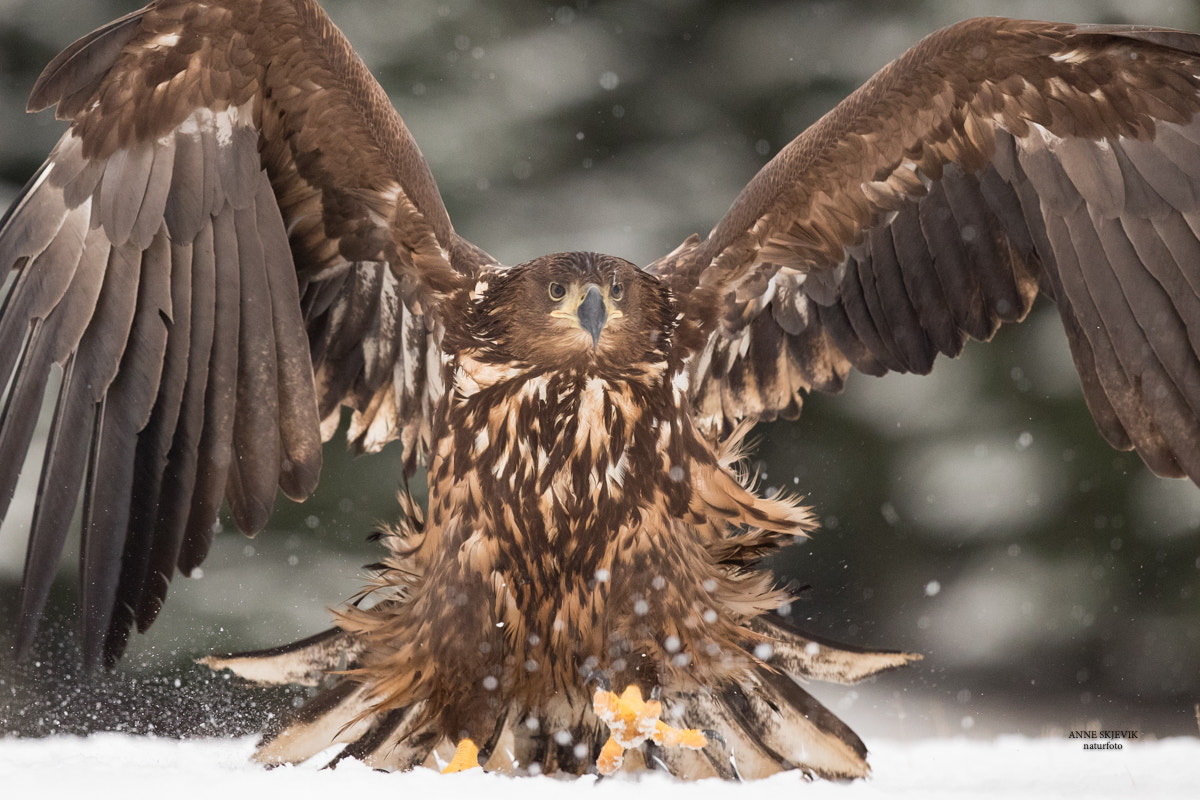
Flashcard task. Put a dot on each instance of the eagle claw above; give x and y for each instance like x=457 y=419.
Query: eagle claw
x=631 y=721
x=599 y=678
x=466 y=756
x=714 y=736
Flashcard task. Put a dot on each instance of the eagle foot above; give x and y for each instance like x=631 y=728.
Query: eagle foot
x=631 y=721
x=466 y=756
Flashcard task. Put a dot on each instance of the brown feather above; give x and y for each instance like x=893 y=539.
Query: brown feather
x=930 y=206
x=179 y=474
x=150 y=459
x=168 y=107
x=238 y=234
x=124 y=410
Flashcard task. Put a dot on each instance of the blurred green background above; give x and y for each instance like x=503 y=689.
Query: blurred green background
x=974 y=515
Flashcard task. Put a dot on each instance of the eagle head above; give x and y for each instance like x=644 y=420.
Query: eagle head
x=577 y=310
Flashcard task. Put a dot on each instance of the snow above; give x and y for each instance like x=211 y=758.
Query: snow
x=119 y=765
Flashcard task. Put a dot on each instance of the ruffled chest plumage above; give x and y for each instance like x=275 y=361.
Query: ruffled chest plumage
x=557 y=440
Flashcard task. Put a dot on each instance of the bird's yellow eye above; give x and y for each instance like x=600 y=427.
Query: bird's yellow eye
x=618 y=291
x=557 y=291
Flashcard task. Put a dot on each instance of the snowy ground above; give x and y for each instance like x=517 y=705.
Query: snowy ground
x=117 y=765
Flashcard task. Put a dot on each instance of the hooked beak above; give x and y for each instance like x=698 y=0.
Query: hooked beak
x=592 y=313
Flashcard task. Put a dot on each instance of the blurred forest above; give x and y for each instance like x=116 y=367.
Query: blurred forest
x=974 y=515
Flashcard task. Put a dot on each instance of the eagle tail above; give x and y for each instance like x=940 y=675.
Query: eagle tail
x=763 y=724
x=768 y=723
x=304 y=663
x=806 y=657
x=341 y=714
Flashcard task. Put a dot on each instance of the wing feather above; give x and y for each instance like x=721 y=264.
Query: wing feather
x=984 y=245
x=150 y=459
x=42 y=280
x=40 y=343
x=299 y=425
x=176 y=491
x=995 y=159
x=1158 y=319
x=72 y=77
x=340 y=358
x=254 y=469
x=859 y=293
x=27 y=228
x=243 y=149
x=123 y=410
x=936 y=307
x=123 y=189
x=1111 y=377
x=63 y=470
x=185 y=211
x=898 y=248
x=23 y=402
x=216 y=438
x=151 y=211
x=63 y=467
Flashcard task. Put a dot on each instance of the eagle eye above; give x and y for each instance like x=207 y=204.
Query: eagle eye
x=618 y=291
x=557 y=291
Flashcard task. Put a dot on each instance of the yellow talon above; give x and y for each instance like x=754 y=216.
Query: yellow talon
x=611 y=757
x=667 y=736
x=631 y=721
x=466 y=756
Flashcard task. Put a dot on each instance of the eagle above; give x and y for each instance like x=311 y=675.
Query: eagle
x=237 y=237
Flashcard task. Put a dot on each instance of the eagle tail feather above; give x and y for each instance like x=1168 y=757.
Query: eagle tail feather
x=305 y=662
x=758 y=727
x=340 y=714
x=768 y=722
x=738 y=748
x=704 y=711
x=343 y=712
x=397 y=740
x=804 y=656
x=771 y=724
x=763 y=724
x=687 y=764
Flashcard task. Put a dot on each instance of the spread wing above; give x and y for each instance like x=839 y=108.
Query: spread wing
x=236 y=235
x=994 y=160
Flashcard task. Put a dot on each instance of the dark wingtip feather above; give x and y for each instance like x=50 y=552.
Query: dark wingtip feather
x=58 y=495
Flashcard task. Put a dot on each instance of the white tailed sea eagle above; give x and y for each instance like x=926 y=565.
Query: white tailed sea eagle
x=237 y=236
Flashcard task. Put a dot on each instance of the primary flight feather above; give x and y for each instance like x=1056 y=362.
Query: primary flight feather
x=237 y=236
